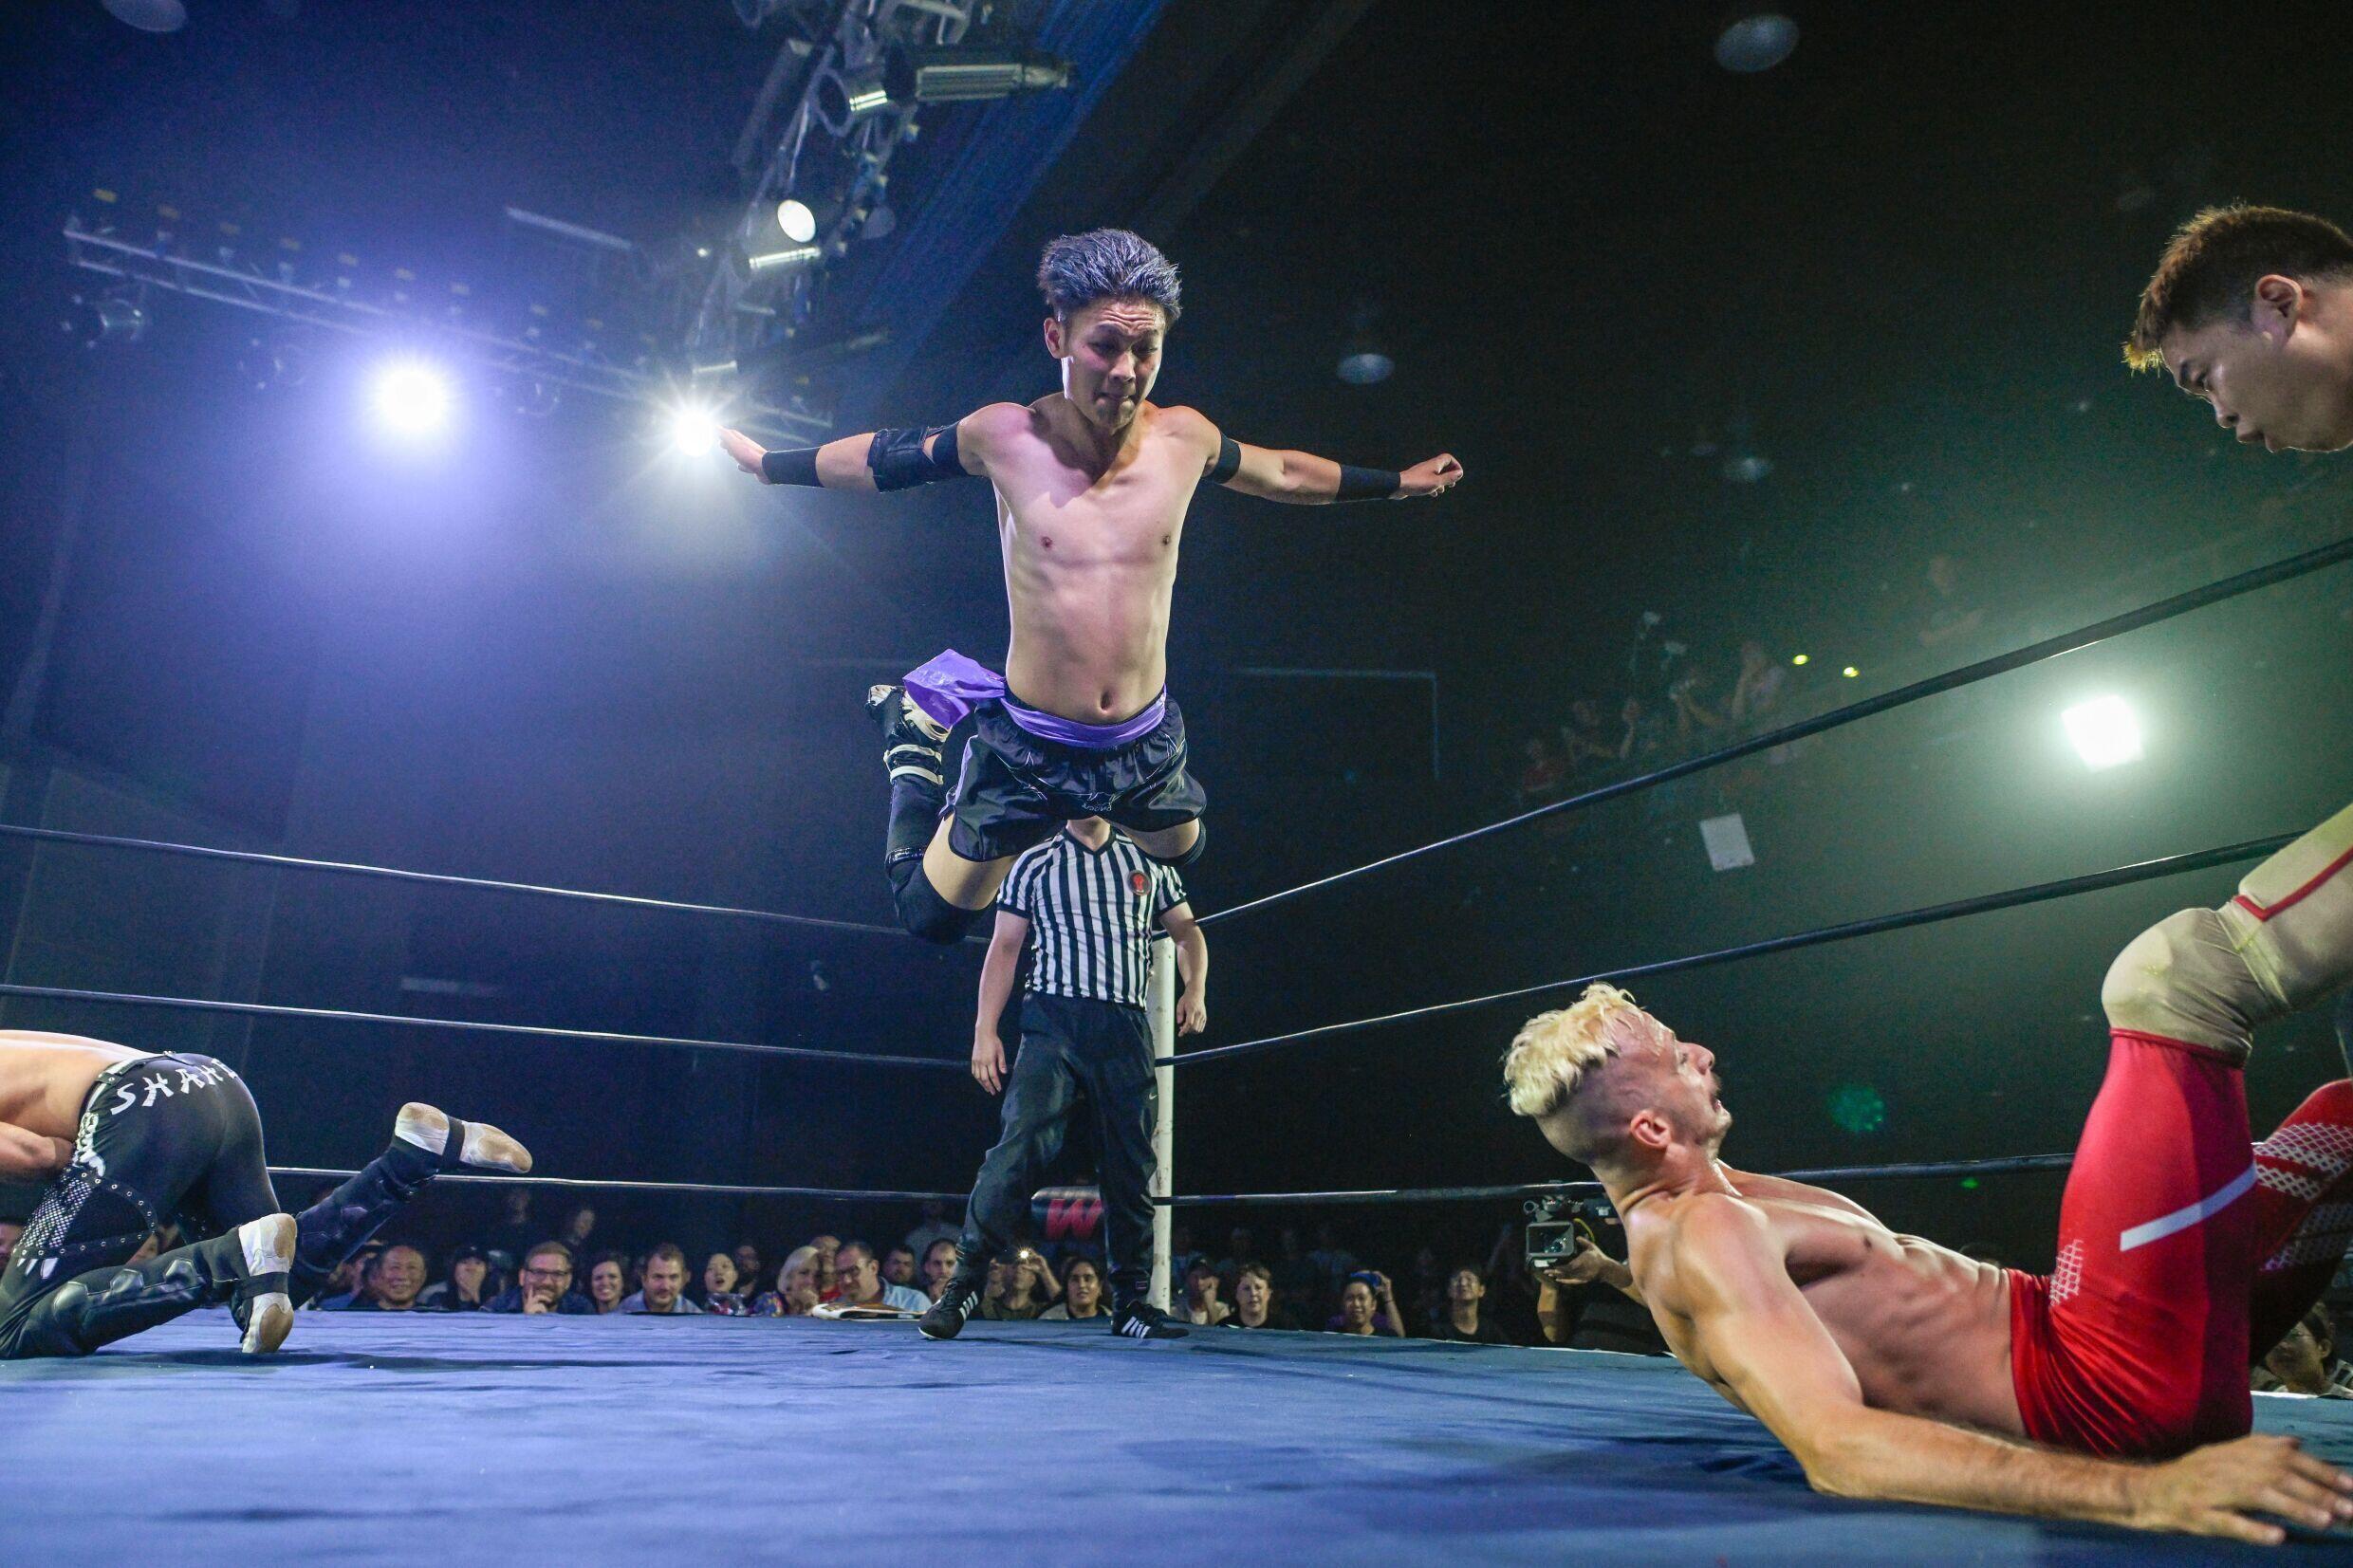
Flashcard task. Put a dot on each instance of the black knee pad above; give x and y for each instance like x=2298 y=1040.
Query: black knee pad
x=1200 y=842
x=922 y=909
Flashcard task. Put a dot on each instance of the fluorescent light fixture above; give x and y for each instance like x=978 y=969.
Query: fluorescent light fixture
x=2105 y=731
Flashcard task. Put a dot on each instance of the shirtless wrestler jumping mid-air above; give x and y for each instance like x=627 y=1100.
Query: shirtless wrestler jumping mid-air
x=128 y=1141
x=1092 y=485
x=2115 y=1389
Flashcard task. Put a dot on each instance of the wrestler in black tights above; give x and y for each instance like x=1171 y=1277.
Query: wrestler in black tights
x=176 y=1138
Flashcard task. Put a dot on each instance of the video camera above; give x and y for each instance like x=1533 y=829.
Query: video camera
x=1557 y=1224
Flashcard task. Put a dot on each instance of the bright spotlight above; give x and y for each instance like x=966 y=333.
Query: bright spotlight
x=1757 y=43
x=694 y=432
x=2106 y=732
x=1850 y=671
x=797 y=219
x=1803 y=659
x=412 y=397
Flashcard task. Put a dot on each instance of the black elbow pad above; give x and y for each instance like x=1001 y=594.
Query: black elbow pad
x=899 y=462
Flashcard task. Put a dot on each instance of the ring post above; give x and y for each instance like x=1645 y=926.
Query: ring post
x=1160 y=1001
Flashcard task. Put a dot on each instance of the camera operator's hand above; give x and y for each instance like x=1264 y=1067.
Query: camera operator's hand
x=1589 y=1266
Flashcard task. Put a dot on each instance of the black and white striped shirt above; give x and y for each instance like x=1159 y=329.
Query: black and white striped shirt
x=1091 y=913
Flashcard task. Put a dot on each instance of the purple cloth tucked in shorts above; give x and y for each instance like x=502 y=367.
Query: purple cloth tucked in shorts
x=951 y=686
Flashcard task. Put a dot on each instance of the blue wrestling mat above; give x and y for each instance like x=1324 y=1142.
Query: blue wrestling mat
x=434 y=1439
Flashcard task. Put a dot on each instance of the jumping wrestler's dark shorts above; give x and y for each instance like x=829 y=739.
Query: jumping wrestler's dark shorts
x=162 y=1138
x=1015 y=789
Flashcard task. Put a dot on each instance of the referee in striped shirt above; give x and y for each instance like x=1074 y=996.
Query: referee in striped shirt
x=1089 y=900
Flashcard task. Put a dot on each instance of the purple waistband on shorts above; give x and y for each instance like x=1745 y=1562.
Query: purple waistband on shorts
x=951 y=686
x=1090 y=737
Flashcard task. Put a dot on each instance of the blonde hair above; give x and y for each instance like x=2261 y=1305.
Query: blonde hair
x=1553 y=1051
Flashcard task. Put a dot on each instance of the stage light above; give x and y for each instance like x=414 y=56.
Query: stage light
x=694 y=432
x=1858 y=1108
x=2105 y=731
x=1803 y=659
x=1757 y=43
x=797 y=219
x=1366 y=367
x=1850 y=671
x=790 y=258
x=412 y=397
x=951 y=74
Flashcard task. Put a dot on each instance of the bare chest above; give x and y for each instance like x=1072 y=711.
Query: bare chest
x=1052 y=517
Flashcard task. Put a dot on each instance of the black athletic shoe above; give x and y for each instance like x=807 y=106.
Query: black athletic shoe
x=945 y=1320
x=1142 y=1320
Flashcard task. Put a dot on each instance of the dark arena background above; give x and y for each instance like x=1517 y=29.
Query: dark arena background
x=406 y=699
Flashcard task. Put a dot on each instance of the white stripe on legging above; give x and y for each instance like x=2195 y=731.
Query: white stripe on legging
x=2182 y=1219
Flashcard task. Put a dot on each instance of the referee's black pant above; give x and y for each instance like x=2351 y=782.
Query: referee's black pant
x=1073 y=1049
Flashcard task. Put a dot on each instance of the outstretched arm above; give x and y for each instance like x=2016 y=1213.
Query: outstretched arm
x=1755 y=1328
x=1305 y=479
x=876 y=460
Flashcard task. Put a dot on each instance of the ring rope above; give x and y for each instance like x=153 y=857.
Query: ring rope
x=731 y=1189
x=2067 y=642
x=2039 y=892
x=603 y=1036
x=435 y=878
x=2002 y=1166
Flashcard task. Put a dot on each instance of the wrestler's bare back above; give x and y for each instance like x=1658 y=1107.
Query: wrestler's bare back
x=1926 y=1329
x=1090 y=551
x=45 y=1077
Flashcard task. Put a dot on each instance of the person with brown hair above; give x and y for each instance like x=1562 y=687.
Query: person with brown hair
x=2252 y=311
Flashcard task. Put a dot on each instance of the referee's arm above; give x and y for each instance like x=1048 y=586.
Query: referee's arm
x=996 y=988
x=1191 y=964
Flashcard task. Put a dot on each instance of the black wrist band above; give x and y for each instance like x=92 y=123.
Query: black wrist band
x=1366 y=484
x=792 y=465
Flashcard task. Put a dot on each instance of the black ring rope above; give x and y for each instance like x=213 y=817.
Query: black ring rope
x=2007 y=1165
x=2004 y=1165
x=2142 y=871
x=731 y=1189
x=2067 y=642
x=434 y=878
x=600 y=1037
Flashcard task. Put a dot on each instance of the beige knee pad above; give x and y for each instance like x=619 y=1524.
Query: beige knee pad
x=2293 y=920
x=2210 y=977
x=2183 y=978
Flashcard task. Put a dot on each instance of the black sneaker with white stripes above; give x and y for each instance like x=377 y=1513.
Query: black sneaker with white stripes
x=945 y=1320
x=1142 y=1320
x=911 y=738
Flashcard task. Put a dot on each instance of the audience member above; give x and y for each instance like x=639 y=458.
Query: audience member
x=1951 y=618
x=608 y=1281
x=937 y=1227
x=1544 y=774
x=1011 y=1291
x=749 y=1267
x=2306 y=1361
x=665 y=1290
x=516 y=1232
x=939 y=1261
x=1254 y=1299
x=467 y=1289
x=1757 y=694
x=796 y=1287
x=1298 y=1283
x=543 y=1283
x=341 y=1286
x=717 y=1293
x=826 y=1245
x=578 y=1227
x=1081 y=1293
x=1586 y=739
x=1462 y=1319
x=864 y=1286
x=898 y=1268
x=1201 y=1303
x=1368 y=1305
x=1333 y=1263
x=392 y=1282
